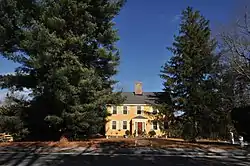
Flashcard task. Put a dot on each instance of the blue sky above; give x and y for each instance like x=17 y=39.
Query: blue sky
x=146 y=28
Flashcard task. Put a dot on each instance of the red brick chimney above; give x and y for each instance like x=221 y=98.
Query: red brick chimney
x=138 y=88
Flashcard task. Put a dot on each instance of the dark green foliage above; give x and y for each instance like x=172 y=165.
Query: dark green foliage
x=151 y=133
x=67 y=56
x=165 y=116
x=191 y=75
x=175 y=128
x=127 y=132
x=13 y=116
x=241 y=120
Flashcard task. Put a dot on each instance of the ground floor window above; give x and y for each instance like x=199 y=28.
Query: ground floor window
x=114 y=125
x=155 y=127
x=124 y=125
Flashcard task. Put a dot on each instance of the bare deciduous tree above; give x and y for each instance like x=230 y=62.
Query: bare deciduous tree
x=236 y=45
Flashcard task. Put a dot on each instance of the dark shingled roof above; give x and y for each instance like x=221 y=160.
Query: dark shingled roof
x=145 y=98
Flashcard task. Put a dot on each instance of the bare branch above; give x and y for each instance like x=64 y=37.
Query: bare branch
x=236 y=45
x=246 y=20
x=240 y=70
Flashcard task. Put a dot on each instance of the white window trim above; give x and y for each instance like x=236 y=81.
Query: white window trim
x=112 y=124
x=141 y=110
x=126 y=124
x=123 y=109
x=156 y=126
x=113 y=110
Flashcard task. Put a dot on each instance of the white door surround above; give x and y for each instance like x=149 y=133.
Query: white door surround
x=135 y=125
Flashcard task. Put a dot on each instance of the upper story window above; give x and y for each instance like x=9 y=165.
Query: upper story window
x=125 y=110
x=139 y=110
x=114 y=110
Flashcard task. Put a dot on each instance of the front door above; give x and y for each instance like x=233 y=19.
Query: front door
x=139 y=128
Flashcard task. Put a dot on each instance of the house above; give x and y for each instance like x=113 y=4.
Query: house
x=137 y=114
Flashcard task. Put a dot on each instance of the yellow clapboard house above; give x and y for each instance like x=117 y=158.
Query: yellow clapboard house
x=136 y=114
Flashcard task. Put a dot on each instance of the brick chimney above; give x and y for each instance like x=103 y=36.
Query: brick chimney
x=138 y=88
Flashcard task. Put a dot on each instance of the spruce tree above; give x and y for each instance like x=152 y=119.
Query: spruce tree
x=188 y=75
x=67 y=55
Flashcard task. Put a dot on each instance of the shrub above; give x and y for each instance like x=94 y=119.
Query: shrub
x=127 y=132
x=189 y=134
x=144 y=133
x=241 y=120
x=134 y=134
x=151 y=133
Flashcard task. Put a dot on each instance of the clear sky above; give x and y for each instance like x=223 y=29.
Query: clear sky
x=146 y=28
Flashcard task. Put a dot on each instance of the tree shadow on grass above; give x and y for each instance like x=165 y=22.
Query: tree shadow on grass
x=108 y=153
x=33 y=154
x=122 y=153
x=110 y=147
x=127 y=160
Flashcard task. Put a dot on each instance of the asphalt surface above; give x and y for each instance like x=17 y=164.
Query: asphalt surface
x=29 y=158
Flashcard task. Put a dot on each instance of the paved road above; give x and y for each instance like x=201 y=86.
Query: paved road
x=97 y=159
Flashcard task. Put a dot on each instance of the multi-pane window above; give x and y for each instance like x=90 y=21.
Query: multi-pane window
x=114 y=109
x=125 y=110
x=114 y=125
x=155 y=125
x=139 y=111
x=124 y=125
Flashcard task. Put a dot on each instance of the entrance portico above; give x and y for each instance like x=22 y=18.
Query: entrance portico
x=138 y=125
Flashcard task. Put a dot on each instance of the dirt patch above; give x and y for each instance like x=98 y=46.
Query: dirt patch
x=202 y=144
x=125 y=142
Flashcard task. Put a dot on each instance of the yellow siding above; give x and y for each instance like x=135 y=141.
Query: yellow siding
x=132 y=112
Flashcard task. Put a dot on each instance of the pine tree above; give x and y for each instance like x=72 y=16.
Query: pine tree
x=13 y=115
x=67 y=55
x=188 y=75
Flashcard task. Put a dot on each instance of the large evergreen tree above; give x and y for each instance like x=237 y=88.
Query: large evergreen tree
x=67 y=56
x=189 y=76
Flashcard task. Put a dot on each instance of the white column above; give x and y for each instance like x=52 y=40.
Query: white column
x=133 y=128
x=143 y=126
x=136 y=129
